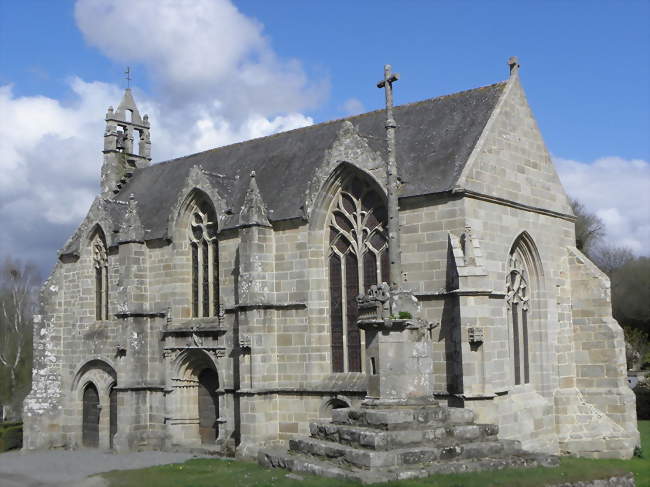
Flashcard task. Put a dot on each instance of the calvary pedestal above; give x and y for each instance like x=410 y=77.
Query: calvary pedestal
x=400 y=431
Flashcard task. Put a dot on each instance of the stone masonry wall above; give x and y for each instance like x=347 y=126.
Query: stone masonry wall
x=511 y=161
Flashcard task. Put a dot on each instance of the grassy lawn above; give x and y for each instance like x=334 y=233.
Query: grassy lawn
x=212 y=473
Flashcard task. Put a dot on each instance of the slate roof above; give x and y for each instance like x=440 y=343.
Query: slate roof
x=434 y=140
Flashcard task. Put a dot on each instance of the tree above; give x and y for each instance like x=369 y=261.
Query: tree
x=610 y=258
x=18 y=281
x=631 y=294
x=589 y=227
x=637 y=347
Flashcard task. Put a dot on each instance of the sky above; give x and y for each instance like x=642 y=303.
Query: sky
x=214 y=72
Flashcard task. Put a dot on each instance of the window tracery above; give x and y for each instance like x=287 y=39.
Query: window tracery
x=518 y=304
x=205 y=261
x=100 y=264
x=358 y=259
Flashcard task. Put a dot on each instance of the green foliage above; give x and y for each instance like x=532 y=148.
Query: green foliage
x=405 y=315
x=642 y=392
x=209 y=472
x=11 y=436
x=637 y=347
x=631 y=294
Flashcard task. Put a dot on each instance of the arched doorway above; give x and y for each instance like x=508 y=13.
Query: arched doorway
x=208 y=406
x=90 y=423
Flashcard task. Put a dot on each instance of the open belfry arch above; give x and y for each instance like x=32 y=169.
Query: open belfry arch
x=399 y=271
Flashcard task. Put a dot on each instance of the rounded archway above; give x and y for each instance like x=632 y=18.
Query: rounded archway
x=331 y=404
x=194 y=403
x=95 y=414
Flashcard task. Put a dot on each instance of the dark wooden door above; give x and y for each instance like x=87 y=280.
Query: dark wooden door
x=208 y=406
x=90 y=430
x=113 y=416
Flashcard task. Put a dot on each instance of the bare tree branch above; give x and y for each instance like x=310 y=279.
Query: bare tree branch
x=17 y=299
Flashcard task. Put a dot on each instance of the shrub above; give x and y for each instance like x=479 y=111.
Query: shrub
x=642 y=392
x=11 y=436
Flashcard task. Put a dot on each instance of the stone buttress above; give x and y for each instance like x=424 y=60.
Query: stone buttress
x=140 y=397
x=255 y=335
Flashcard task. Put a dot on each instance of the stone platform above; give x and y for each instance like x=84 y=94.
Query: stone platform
x=377 y=445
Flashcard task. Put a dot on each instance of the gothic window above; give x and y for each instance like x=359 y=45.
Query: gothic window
x=100 y=264
x=518 y=305
x=358 y=259
x=205 y=261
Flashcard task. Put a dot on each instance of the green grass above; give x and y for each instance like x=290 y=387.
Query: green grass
x=212 y=473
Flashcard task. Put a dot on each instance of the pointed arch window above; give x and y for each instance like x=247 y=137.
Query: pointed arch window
x=205 y=261
x=358 y=258
x=518 y=305
x=100 y=264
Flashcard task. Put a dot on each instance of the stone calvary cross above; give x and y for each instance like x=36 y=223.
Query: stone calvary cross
x=392 y=183
x=399 y=361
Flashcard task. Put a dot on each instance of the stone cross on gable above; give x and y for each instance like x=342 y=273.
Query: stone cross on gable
x=392 y=182
x=513 y=63
x=127 y=76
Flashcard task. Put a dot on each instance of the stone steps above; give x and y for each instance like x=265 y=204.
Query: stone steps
x=376 y=445
x=297 y=462
x=378 y=439
x=368 y=459
x=403 y=418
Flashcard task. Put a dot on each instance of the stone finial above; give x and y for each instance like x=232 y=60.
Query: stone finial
x=513 y=62
x=253 y=211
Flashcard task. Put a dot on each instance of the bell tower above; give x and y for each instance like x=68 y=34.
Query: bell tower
x=127 y=144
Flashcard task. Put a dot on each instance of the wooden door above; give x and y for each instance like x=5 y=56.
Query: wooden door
x=113 y=416
x=90 y=423
x=208 y=406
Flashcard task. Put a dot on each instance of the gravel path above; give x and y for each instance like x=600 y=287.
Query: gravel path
x=59 y=468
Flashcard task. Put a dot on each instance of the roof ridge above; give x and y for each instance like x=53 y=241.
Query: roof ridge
x=328 y=122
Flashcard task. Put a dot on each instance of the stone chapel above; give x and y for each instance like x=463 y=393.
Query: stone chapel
x=212 y=301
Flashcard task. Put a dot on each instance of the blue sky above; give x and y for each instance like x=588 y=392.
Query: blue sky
x=212 y=72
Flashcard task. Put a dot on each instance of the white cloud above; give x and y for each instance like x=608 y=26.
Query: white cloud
x=217 y=81
x=618 y=191
x=50 y=163
x=200 y=52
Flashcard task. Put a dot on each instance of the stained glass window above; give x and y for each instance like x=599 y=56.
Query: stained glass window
x=100 y=264
x=358 y=258
x=205 y=261
x=517 y=302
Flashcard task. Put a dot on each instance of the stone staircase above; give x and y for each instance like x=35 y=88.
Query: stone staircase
x=377 y=445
